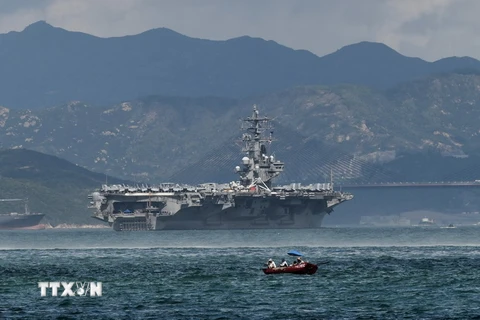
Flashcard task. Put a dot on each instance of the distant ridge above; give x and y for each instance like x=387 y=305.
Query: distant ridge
x=46 y=66
x=345 y=127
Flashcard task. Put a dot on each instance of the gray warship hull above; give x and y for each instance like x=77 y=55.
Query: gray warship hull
x=187 y=221
x=20 y=221
x=247 y=210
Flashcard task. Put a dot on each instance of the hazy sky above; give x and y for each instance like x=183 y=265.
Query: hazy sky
x=430 y=29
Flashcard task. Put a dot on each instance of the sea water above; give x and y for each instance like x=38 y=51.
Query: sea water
x=372 y=273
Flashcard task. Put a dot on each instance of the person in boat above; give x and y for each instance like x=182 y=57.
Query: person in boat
x=271 y=264
x=298 y=261
x=284 y=263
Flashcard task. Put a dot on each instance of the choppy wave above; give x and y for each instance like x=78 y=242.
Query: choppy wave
x=379 y=274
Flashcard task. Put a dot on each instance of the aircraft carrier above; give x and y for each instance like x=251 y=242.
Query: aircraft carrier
x=253 y=202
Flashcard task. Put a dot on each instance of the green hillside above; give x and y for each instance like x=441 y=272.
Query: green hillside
x=52 y=186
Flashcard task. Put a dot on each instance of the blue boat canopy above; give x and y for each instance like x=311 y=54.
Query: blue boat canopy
x=294 y=253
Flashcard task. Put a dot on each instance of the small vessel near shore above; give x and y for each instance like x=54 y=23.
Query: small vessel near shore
x=425 y=222
x=16 y=221
x=450 y=226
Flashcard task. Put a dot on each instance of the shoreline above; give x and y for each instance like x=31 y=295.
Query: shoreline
x=76 y=226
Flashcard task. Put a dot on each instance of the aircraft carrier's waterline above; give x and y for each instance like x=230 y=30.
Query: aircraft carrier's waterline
x=253 y=202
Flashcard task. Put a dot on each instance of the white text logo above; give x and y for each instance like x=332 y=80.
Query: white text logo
x=71 y=289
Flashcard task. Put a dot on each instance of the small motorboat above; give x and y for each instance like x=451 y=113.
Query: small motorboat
x=450 y=226
x=301 y=268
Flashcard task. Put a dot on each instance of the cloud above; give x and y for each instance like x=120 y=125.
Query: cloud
x=430 y=29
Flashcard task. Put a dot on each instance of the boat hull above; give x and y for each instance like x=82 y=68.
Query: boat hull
x=21 y=221
x=303 y=268
x=245 y=212
x=216 y=218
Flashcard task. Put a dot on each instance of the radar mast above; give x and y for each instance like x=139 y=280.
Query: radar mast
x=258 y=166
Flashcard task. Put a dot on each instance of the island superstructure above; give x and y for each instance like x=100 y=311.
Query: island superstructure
x=253 y=202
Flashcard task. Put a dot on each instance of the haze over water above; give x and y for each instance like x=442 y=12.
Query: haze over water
x=387 y=273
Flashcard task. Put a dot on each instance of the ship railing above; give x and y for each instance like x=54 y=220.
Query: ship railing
x=163 y=187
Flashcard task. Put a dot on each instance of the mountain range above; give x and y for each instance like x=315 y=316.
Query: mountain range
x=44 y=66
x=348 y=128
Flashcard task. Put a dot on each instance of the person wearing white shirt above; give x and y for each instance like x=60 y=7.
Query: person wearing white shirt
x=271 y=264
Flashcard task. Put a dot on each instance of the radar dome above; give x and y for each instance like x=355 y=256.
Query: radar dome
x=96 y=196
x=237 y=168
x=245 y=160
